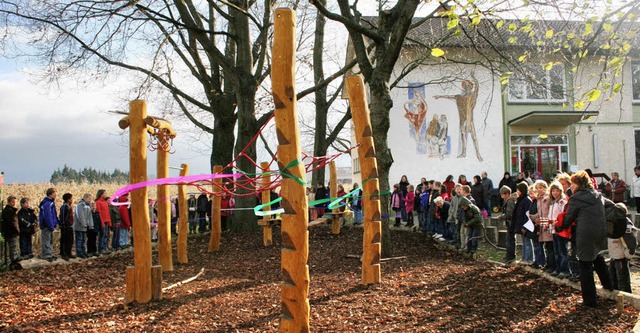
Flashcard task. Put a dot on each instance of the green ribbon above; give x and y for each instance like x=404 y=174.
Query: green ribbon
x=290 y=176
x=258 y=209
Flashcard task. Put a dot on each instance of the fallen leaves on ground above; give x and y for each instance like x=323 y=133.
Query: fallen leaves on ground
x=430 y=290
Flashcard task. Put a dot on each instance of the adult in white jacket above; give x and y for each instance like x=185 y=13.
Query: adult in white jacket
x=635 y=188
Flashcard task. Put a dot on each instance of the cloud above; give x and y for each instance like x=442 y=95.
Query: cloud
x=41 y=132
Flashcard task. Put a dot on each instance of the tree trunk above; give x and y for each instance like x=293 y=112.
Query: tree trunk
x=223 y=133
x=245 y=220
x=320 y=137
x=380 y=107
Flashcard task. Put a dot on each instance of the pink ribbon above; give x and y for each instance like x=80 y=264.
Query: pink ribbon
x=166 y=181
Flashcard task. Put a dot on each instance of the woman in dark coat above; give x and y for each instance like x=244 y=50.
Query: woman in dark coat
x=507 y=180
x=586 y=209
x=477 y=192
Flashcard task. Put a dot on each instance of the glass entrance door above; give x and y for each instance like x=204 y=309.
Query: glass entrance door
x=542 y=159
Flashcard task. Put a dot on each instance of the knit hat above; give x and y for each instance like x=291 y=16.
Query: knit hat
x=523 y=187
x=505 y=189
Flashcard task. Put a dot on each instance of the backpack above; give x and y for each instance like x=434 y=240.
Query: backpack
x=616 y=218
x=630 y=240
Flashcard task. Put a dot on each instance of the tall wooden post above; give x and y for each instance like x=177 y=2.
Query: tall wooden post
x=267 y=226
x=333 y=190
x=370 y=187
x=295 y=237
x=139 y=198
x=164 y=207
x=216 y=228
x=183 y=226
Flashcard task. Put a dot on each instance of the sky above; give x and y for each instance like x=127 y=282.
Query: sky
x=44 y=129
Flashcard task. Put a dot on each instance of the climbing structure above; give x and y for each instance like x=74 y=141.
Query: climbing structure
x=372 y=245
x=139 y=283
x=295 y=237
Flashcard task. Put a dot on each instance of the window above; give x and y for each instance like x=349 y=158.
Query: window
x=537 y=85
x=356 y=166
x=635 y=77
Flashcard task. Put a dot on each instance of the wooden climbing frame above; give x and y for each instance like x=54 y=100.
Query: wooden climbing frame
x=372 y=238
x=295 y=237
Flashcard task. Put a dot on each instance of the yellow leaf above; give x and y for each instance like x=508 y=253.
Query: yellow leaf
x=475 y=21
x=579 y=105
x=549 y=34
x=617 y=87
x=522 y=58
x=453 y=23
x=500 y=24
x=615 y=62
x=436 y=52
x=548 y=66
x=593 y=95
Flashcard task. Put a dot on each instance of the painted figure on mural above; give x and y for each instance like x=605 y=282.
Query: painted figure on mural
x=432 y=131
x=466 y=102
x=415 y=110
x=441 y=136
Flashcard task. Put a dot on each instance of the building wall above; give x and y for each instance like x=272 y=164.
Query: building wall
x=614 y=127
x=415 y=156
x=424 y=146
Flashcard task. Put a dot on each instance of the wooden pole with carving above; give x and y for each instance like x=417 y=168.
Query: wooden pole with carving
x=141 y=288
x=165 y=256
x=295 y=237
x=267 y=223
x=183 y=226
x=370 y=185
x=216 y=228
x=333 y=190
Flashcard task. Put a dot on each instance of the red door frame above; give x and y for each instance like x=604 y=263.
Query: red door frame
x=539 y=156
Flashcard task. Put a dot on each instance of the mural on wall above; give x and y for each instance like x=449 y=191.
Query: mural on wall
x=431 y=140
x=415 y=111
x=466 y=103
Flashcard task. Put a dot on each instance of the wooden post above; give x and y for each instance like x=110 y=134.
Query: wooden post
x=372 y=238
x=295 y=237
x=130 y=281
x=333 y=190
x=620 y=303
x=183 y=226
x=156 y=282
x=216 y=228
x=139 y=200
x=267 y=227
x=164 y=208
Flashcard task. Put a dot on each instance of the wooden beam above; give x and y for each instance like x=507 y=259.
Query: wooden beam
x=372 y=238
x=123 y=123
x=267 y=228
x=139 y=200
x=160 y=124
x=333 y=190
x=165 y=256
x=295 y=237
x=183 y=226
x=216 y=227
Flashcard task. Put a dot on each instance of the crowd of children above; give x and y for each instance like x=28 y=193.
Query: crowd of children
x=533 y=210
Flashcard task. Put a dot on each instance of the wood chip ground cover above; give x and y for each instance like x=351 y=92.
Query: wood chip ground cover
x=431 y=290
